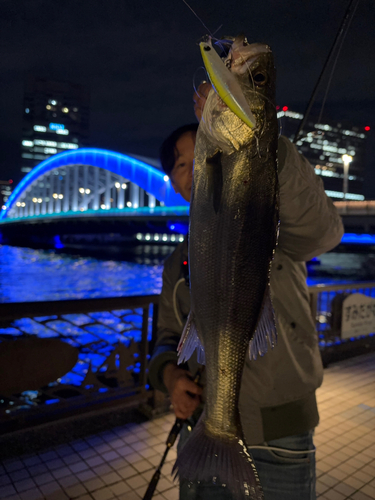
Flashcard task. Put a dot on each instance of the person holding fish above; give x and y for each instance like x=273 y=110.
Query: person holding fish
x=250 y=421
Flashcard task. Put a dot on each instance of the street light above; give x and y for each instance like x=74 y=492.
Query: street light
x=346 y=160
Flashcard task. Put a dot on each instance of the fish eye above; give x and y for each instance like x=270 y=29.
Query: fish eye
x=260 y=78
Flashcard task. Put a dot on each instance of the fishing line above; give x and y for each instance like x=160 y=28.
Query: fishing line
x=177 y=314
x=335 y=62
x=341 y=31
x=196 y=15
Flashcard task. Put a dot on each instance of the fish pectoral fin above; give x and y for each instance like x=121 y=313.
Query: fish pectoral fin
x=265 y=332
x=190 y=342
x=215 y=178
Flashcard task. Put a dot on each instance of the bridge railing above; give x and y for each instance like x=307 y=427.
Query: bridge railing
x=110 y=341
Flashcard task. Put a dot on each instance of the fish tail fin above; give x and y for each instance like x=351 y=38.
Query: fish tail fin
x=226 y=463
x=190 y=342
x=265 y=332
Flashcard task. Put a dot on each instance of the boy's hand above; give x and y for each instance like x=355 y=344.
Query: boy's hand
x=184 y=393
x=200 y=97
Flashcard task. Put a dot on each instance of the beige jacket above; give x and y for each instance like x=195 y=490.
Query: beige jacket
x=278 y=390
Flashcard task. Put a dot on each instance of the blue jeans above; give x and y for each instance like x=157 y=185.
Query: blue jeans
x=283 y=476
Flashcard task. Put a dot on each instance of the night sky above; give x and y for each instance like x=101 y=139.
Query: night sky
x=140 y=60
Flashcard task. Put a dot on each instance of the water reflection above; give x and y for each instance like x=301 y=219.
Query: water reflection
x=38 y=275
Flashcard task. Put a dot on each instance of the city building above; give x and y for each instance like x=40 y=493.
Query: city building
x=5 y=191
x=55 y=119
x=331 y=148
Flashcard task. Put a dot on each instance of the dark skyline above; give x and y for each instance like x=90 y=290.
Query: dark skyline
x=140 y=60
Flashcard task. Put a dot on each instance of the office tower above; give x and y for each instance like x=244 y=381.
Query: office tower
x=325 y=146
x=55 y=119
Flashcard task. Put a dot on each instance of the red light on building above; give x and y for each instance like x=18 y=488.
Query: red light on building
x=185 y=263
x=285 y=108
x=10 y=181
x=367 y=128
x=277 y=107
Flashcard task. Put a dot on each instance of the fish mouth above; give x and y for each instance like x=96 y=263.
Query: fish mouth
x=243 y=55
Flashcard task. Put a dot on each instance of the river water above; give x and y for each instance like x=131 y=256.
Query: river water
x=38 y=275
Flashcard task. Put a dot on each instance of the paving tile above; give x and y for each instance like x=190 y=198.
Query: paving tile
x=7 y=491
x=104 y=494
x=25 y=484
x=44 y=478
x=36 y=470
x=94 y=461
x=62 y=472
x=127 y=472
x=119 y=488
x=94 y=484
x=75 y=491
x=111 y=478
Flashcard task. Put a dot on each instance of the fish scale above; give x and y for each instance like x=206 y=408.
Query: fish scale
x=232 y=239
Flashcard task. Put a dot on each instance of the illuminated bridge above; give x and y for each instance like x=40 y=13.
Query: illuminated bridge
x=93 y=190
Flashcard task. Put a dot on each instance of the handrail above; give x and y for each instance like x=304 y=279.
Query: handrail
x=16 y=310
x=343 y=286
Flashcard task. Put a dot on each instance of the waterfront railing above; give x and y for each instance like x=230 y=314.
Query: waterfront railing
x=110 y=341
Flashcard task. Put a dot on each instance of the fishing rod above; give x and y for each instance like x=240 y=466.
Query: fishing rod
x=171 y=439
x=348 y=16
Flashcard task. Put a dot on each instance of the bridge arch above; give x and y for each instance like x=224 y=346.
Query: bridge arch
x=90 y=179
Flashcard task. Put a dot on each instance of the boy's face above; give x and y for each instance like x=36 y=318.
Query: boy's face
x=182 y=173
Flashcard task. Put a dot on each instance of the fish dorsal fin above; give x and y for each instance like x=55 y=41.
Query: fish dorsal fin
x=265 y=332
x=190 y=342
x=215 y=178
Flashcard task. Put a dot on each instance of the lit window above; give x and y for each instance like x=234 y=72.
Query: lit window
x=139 y=236
x=62 y=132
x=29 y=144
x=48 y=107
x=65 y=110
x=75 y=110
x=67 y=145
x=147 y=237
x=181 y=238
x=27 y=110
x=40 y=128
x=26 y=169
x=41 y=142
x=53 y=103
x=165 y=237
x=156 y=237
x=27 y=155
x=50 y=151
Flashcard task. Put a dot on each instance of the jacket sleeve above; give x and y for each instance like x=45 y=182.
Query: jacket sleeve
x=169 y=329
x=309 y=222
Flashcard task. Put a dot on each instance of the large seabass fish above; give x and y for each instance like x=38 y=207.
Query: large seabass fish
x=233 y=235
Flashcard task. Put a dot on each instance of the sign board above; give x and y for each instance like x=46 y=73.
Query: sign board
x=358 y=315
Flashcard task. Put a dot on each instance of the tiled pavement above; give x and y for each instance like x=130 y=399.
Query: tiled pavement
x=118 y=464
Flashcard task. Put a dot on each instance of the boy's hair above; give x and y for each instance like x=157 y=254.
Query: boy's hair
x=168 y=151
